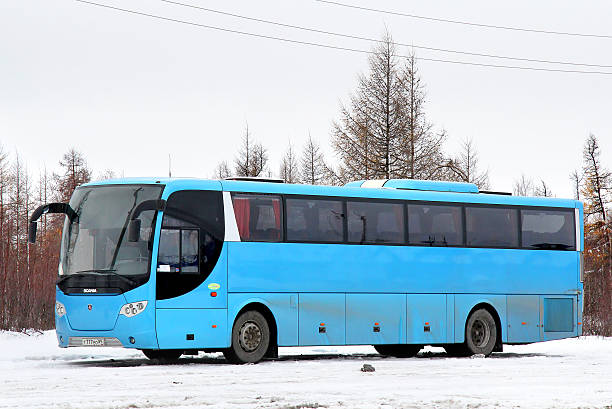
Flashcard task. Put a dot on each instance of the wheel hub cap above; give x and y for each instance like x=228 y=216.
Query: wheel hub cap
x=480 y=333
x=249 y=336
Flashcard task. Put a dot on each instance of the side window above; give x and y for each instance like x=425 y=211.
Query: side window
x=491 y=227
x=258 y=217
x=375 y=222
x=548 y=229
x=314 y=220
x=179 y=247
x=190 y=241
x=435 y=225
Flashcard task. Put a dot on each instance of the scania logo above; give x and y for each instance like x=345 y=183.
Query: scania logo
x=89 y=307
x=90 y=290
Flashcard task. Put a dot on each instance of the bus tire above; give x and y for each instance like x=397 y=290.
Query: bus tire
x=480 y=333
x=399 y=350
x=164 y=355
x=250 y=339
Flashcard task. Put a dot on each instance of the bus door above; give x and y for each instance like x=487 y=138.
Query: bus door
x=191 y=272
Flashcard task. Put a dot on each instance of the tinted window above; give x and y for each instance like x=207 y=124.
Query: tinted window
x=314 y=220
x=548 y=229
x=491 y=227
x=372 y=222
x=258 y=217
x=435 y=225
x=190 y=241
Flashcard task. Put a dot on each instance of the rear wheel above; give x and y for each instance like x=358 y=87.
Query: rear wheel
x=399 y=350
x=166 y=355
x=250 y=339
x=480 y=333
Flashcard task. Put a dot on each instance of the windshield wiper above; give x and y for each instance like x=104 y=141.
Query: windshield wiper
x=99 y=271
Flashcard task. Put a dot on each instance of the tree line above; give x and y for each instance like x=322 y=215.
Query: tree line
x=381 y=132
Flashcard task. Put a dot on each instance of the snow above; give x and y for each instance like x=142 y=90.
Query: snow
x=571 y=373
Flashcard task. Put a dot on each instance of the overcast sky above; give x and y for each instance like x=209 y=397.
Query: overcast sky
x=128 y=90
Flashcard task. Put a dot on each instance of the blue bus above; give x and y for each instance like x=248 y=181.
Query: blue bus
x=177 y=266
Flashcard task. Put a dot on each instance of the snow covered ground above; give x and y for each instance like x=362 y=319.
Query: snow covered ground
x=572 y=373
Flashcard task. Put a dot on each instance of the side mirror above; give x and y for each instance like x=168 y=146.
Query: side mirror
x=32 y=232
x=134 y=230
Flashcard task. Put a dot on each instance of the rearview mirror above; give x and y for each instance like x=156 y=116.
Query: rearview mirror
x=134 y=230
x=32 y=232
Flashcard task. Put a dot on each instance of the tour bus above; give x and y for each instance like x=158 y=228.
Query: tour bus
x=177 y=266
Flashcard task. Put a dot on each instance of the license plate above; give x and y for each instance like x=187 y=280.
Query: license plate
x=93 y=342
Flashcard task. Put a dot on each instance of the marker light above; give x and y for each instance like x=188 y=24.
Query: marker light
x=133 y=308
x=213 y=294
x=60 y=310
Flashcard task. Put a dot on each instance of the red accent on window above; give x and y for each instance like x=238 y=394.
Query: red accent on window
x=242 y=210
x=276 y=204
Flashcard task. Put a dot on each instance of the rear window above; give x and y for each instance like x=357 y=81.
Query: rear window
x=548 y=229
x=375 y=222
x=258 y=217
x=435 y=225
x=314 y=220
x=491 y=227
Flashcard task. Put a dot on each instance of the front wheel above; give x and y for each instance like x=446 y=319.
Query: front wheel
x=399 y=350
x=165 y=355
x=250 y=339
x=480 y=333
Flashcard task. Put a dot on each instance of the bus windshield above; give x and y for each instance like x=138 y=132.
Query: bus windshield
x=95 y=241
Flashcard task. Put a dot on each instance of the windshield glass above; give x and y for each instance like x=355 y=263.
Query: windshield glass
x=96 y=240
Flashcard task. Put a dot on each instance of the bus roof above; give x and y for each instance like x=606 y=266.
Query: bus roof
x=451 y=191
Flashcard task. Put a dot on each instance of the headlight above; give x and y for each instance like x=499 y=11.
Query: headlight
x=133 y=308
x=60 y=310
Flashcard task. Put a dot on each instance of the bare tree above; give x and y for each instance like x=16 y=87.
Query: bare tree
x=523 y=186
x=465 y=166
x=384 y=133
x=598 y=180
x=596 y=189
x=542 y=189
x=106 y=174
x=74 y=173
x=313 y=169
x=222 y=171
x=576 y=178
x=289 y=170
x=252 y=158
x=419 y=147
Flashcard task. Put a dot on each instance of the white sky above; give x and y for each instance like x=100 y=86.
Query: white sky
x=128 y=90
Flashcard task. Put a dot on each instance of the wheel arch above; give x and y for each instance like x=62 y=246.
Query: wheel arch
x=261 y=306
x=495 y=314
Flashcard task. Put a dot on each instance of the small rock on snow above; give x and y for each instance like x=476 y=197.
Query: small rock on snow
x=367 y=368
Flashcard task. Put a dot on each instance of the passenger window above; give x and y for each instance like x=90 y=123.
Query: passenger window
x=258 y=217
x=314 y=220
x=548 y=229
x=375 y=222
x=435 y=225
x=492 y=227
